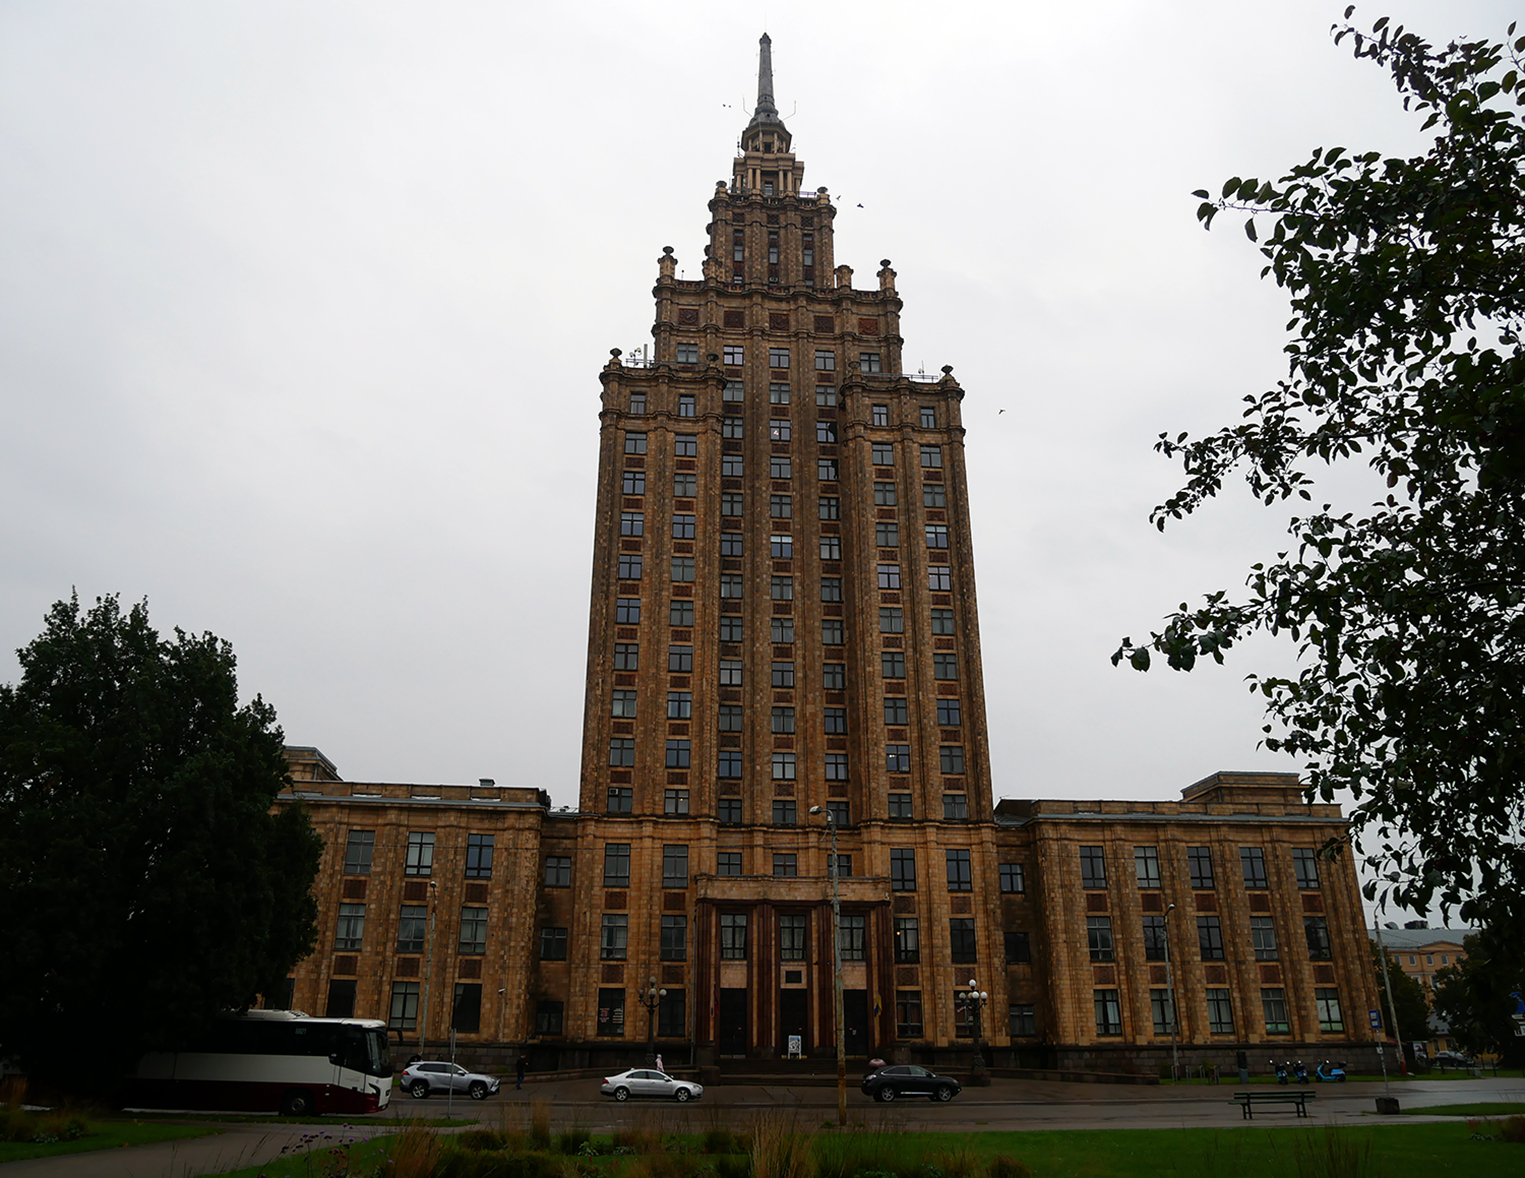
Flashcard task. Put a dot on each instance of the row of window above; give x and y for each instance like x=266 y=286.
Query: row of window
x=685 y=484
x=1199 y=864
x=1220 y=1011
x=734 y=355
x=781 y=430
x=1209 y=938
x=785 y=764
x=779 y=393
x=680 y=706
x=621 y=800
x=412 y=929
x=781 y=545
x=680 y=658
x=419 y=856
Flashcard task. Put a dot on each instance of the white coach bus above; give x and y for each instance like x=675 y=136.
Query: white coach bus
x=272 y=1061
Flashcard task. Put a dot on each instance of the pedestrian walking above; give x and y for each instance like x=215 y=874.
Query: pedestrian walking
x=520 y=1067
x=660 y=1068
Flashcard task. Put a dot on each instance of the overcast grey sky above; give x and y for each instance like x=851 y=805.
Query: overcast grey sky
x=302 y=307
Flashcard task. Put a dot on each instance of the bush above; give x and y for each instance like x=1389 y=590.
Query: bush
x=1512 y=1129
x=721 y=1141
x=461 y=1163
x=1002 y=1166
x=479 y=1139
x=573 y=1140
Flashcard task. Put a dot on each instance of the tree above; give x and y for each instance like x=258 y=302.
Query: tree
x=1408 y=997
x=1407 y=287
x=145 y=880
x=1475 y=996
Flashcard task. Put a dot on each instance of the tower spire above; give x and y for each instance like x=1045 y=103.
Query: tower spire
x=766 y=132
x=765 y=80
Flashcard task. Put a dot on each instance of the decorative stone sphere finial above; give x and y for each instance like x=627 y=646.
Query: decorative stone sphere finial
x=885 y=262
x=667 y=249
x=615 y=352
x=947 y=370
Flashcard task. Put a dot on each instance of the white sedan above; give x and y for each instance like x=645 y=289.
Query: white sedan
x=649 y=1082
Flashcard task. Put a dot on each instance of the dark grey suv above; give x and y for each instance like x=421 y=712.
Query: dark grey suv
x=906 y=1079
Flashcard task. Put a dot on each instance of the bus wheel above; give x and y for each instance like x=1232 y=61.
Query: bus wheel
x=297 y=1103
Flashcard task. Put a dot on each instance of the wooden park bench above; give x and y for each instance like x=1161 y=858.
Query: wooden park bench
x=1298 y=1097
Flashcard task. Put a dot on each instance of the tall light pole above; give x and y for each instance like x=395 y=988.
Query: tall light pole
x=836 y=946
x=423 y=1015
x=1170 y=992
x=974 y=1004
x=650 y=998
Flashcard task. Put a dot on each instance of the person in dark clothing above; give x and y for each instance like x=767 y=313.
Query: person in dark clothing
x=520 y=1068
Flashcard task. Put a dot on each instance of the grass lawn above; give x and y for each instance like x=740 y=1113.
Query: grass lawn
x=330 y=1119
x=1481 y=1109
x=364 y=1156
x=105 y=1135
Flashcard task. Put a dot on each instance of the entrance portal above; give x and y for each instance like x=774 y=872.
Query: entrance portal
x=855 y=1022
x=793 y=1019
x=733 y=1022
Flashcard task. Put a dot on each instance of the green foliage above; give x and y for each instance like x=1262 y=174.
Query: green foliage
x=1408 y=997
x=1475 y=996
x=1512 y=1129
x=146 y=882
x=1407 y=286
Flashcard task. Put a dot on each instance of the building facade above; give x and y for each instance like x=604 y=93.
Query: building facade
x=785 y=697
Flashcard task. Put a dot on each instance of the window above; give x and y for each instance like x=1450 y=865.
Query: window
x=1022 y=1021
x=680 y=705
x=902 y=869
x=779 y=466
x=728 y=765
x=1316 y=930
x=1018 y=948
x=782 y=588
x=793 y=937
x=1210 y=938
x=548 y=1017
x=887 y=534
x=831 y=588
x=939 y=579
x=1109 y=1019
x=622 y=752
x=783 y=812
x=420 y=853
x=473 y=931
x=620 y=800
x=1154 y=938
x=780 y=506
x=778 y=357
x=883 y=453
x=879 y=415
x=683 y=527
x=632 y=523
x=730 y=587
x=686 y=445
x=779 y=429
x=933 y=495
x=836 y=766
x=835 y=721
x=783 y=674
x=728 y=862
x=674 y=938
x=683 y=569
x=622 y=704
x=671 y=1015
x=937 y=536
x=680 y=612
x=1160 y=1008
x=955 y=807
x=358 y=851
x=960 y=878
x=839 y=813
x=893 y=663
x=825 y=361
x=733 y=936
x=945 y=665
x=1330 y=1018
x=675 y=866
x=928 y=417
x=931 y=457
x=731 y=503
x=781 y=546
x=853 y=929
x=686 y=409
x=831 y=547
x=730 y=672
x=630 y=566
x=831 y=632
x=479 y=856
x=1199 y=864
x=733 y=354
x=731 y=466
x=729 y=810
x=637 y=402
x=1305 y=867
x=961 y=947
x=627 y=611
x=680 y=658
x=948 y=712
x=942 y=621
x=404 y=1012
x=613 y=944
x=1093 y=868
x=778 y=393
x=826 y=435
x=826 y=396
x=731 y=544
x=633 y=482
x=897 y=758
x=558 y=871
x=1146 y=866
x=1012 y=880
x=616 y=865
x=783 y=766
x=907 y=940
x=1099 y=937
x=868 y=362
x=412 y=928
x=884 y=494
x=1253 y=861
x=891 y=620
x=1273 y=1008
x=1263 y=937
x=466 y=1013
x=733 y=391
x=351 y=928
x=826 y=469
x=908 y=1014
x=675 y=802
x=1220 y=1012
x=834 y=676
x=785 y=864
x=732 y=427
x=611 y=1012
x=627 y=656
x=951 y=758
x=635 y=443
x=688 y=353
x=782 y=629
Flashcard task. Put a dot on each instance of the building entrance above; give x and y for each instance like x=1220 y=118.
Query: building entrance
x=733 y=1022
x=855 y=1022
x=793 y=1019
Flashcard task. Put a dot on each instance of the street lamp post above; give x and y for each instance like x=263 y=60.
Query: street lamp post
x=1170 y=991
x=974 y=1003
x=423 y=1014
x=651 y=998
x=836 y=944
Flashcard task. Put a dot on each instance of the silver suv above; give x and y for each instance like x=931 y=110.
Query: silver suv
x=425 y=1078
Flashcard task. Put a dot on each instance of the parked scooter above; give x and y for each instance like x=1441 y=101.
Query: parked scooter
x=1329 y=1071
x=1283 y=1071
x=1300 y=1072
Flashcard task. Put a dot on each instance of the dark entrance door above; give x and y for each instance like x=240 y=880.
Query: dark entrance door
x=855 y=1021
x=793 y=1017
x=733 y=1022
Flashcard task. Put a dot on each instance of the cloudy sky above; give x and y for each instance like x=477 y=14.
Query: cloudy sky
x=302 y=307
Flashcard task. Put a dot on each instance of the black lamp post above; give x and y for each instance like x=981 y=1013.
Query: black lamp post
x=974 y=1000
x=651 y=998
